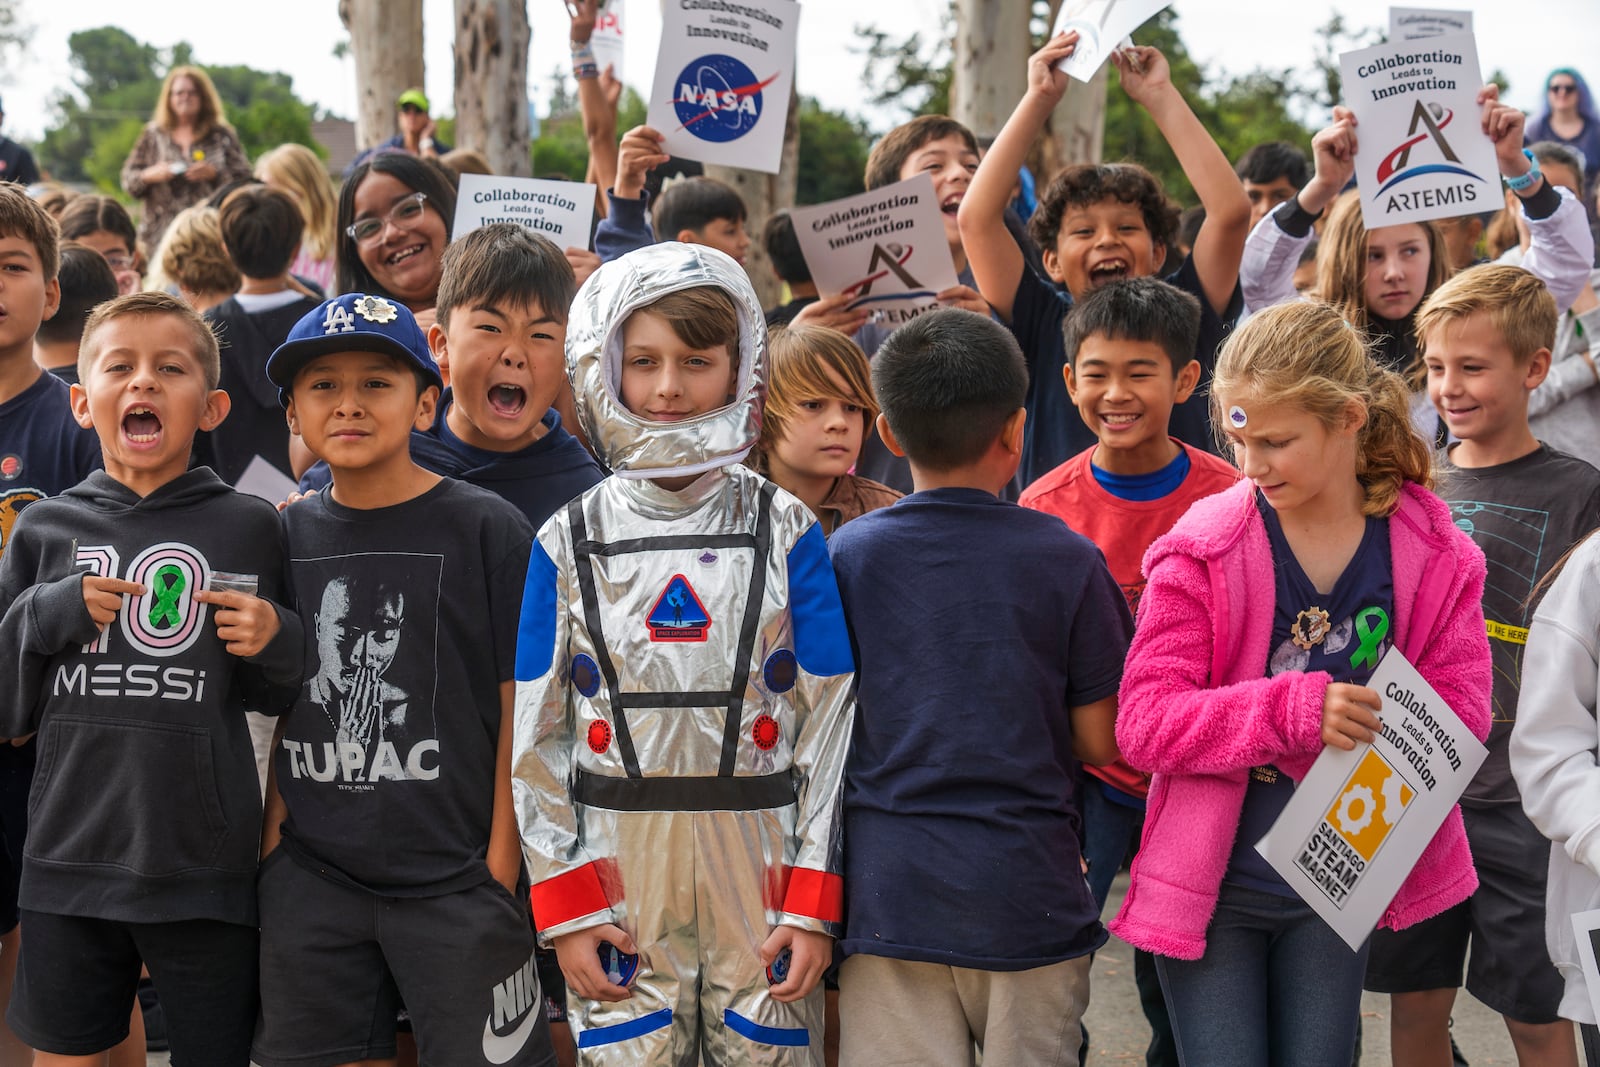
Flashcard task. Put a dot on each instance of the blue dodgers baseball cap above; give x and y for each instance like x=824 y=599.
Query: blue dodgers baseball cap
x=354 y=322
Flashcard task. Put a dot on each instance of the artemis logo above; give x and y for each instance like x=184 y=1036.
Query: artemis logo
x=513 y=998
x=886 y=260
x=1432 y=118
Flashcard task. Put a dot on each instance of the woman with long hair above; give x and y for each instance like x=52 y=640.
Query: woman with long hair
x=296 y=170
x=186 y=152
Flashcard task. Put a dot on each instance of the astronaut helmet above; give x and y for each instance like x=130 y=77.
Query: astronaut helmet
x=636 y=447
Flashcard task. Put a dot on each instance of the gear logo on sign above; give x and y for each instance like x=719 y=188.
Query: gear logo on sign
x=1370 y=805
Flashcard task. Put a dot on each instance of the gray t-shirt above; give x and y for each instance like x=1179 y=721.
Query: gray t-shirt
x=1525 y=515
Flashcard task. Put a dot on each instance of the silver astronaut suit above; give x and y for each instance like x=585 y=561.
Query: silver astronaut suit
x=684 y=702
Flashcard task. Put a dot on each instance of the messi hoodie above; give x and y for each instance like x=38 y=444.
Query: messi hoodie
x=145 y=804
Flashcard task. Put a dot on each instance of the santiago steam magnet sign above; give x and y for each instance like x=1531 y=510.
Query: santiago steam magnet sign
x=723 y=77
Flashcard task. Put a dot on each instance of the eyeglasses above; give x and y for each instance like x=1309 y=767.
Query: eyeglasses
x=1563 y=88
x=412 y=109
x=406 y=211
x=117 y=261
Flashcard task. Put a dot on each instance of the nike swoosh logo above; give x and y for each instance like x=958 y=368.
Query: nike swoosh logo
x=499 y=1048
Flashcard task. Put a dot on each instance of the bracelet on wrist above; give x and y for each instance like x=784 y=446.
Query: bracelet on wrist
x=585 y=71
x=1526 y=181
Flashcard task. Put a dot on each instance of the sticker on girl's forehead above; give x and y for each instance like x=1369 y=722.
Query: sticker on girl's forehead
x=1237 y=417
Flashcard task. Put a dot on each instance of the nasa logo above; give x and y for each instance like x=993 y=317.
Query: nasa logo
x=719 y=98
x=10 y=467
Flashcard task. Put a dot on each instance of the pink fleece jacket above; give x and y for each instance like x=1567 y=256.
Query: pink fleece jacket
x=1197 y=709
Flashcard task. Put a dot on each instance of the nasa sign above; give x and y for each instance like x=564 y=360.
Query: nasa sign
x=723 y=79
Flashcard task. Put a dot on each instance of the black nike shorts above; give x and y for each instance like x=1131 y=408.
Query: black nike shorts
x=336 y=962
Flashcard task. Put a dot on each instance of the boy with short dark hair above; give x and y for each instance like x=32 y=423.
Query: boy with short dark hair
x=1097 y=224
x=390 y=855
x=697 y=210
x=1130 y=361
x=1486 y=337
x=683 y=693
x=1271 y=173
x=959 y=789
x=789 y=264
x=142 y=723
x=499 y=329
x=261 y=229
x=43 y=451
x=86 y=282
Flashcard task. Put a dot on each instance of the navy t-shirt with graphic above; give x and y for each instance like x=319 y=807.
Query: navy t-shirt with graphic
x=1347 y=644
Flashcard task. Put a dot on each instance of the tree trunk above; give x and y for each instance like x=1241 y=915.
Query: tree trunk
x=764 y=194
x=990 y=73
x=492 y=82
x=1076 y=131
x=386 y=40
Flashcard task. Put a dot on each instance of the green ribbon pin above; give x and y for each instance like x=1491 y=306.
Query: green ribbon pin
x=1372 y=634
x=167 y=585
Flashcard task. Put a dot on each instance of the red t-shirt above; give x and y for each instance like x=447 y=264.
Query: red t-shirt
x=1124 y=531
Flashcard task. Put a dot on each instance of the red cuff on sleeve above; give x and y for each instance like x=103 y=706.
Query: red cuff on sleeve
x=567 y=896
x=815 y=894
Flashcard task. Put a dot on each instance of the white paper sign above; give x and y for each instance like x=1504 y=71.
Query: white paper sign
x=723 y=77
x=1101 y=24
x=1416 y=23
x=260 y=478
x=1586 y=925
x=561 y=211
x=1357 y=824
x=886 y=248
x=1422 y=153
x=607 y=38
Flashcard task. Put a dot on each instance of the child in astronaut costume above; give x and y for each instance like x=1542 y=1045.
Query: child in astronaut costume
x=683 y=707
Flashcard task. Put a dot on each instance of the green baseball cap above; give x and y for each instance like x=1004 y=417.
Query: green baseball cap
x=413 y=96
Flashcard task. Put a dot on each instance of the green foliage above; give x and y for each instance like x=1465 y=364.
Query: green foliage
x=118 y=80
x=909 y=74
x=833 y=154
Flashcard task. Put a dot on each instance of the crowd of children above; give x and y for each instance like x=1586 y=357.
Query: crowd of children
x=798 y=697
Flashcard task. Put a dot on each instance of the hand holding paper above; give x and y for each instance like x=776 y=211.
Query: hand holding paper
x=1349 y=715
x=1045 y=76
x=1334 y=152
x=835 y=313
x=1503 y=123
x=639 y=153
x=1144 y=72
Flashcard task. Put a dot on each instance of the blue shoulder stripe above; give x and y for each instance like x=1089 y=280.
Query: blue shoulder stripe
x=821 y=642
x=536 y=630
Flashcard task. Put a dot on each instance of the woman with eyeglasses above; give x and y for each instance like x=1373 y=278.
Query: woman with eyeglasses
x=395 y=213
x=1569 y=117
x=187 y=152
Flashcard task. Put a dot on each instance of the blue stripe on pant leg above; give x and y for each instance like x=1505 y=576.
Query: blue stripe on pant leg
x=767 y=1035
x=610 y=1035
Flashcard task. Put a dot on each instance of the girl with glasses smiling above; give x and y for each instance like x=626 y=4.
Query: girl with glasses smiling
x=394 y=222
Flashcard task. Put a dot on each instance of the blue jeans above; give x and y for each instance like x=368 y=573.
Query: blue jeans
x=1110 y=834
x=1275 y=988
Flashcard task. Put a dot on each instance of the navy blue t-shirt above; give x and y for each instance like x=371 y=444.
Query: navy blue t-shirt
x=1353 y=638
x=1055 y=432
x=537 y=481
x=43 y=452
x=976 y=625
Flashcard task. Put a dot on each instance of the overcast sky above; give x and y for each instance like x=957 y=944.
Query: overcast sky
x=298 y=37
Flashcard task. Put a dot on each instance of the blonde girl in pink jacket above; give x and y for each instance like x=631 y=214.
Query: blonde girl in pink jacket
x=1268 y=606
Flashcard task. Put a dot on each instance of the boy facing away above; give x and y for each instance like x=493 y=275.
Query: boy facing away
x=984 y=674
x=122 y=650
x=683 y=693
x=1486 y=336
x=390 y=860
x=1130 y=349
x=1097 y=224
